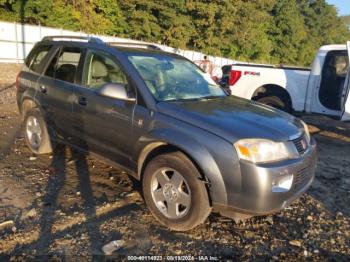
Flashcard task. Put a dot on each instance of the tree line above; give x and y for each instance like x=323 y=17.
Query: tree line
x=270 y=31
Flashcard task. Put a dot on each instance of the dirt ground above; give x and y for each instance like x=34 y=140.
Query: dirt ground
x=66 y=206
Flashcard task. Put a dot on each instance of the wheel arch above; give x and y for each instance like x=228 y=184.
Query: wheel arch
x=195 y=152
x=27 y=104
x=273 y=89
x=157 y=148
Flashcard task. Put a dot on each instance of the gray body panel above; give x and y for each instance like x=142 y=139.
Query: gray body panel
x=256 y=196
x=110 y=116
x=235 y=118
x=56 y=101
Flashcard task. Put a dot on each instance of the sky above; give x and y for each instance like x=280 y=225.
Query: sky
x=342 y=5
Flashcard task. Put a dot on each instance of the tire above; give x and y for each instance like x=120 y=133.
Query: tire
x=191 y=192
x=276 y=102
x=36 y=133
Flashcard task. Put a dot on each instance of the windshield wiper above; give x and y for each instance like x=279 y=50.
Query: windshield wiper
x=183 y=99
x=210 y=97
x=193 y=98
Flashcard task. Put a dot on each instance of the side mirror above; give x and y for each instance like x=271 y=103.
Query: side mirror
x=117 y=91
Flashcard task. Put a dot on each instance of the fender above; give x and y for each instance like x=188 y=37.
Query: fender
x=29 y=94
x=297 y=95
x=28 y=90
x=199 y=154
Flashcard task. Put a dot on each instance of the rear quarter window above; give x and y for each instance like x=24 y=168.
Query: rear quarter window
x=36 y=57
x=64 y=65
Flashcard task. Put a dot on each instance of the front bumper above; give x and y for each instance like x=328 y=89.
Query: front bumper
x=256 y=196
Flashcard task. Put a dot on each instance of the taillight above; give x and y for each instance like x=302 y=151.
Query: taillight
x=235 y=75
x=17 y=81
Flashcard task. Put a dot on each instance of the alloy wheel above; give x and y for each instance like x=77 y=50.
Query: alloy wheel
x=171 y=193
x=33 y=131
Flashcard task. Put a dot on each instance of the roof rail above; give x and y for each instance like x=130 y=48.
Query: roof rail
x=90 y=39
x=137 y=45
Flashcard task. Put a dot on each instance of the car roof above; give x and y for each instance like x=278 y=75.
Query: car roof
x=143 y=51
x=141 y=48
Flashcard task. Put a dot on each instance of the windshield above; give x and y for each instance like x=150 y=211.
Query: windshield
x=170 y=78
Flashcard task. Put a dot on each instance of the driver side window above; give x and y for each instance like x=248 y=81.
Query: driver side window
x=101 y=69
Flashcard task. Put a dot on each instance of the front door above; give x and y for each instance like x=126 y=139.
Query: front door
x=103 y=124
x=345 y=95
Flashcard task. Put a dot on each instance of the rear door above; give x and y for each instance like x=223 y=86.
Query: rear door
x=345 y=96
x=56 y=89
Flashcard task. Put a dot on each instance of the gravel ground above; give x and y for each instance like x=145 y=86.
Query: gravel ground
x=67 y=206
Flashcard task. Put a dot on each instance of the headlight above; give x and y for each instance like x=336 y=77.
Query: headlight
x=264 y=151
x=307 y=132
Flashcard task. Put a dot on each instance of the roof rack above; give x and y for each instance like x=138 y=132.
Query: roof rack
x=89 y=39
x=92 y=39
x=137 y=45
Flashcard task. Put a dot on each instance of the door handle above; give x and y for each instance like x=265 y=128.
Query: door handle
x=43 y=89
x=82 y=101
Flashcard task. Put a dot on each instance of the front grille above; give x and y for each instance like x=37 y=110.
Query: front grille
x=301 y=177
x=301 y=144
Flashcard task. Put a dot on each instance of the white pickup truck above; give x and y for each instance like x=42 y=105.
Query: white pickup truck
x=324 y=89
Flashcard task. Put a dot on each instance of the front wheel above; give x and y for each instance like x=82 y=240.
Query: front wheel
x=174 y=192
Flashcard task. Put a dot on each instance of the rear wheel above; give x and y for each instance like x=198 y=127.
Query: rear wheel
x=276 y=102
x=174 y=192
x=36 y=133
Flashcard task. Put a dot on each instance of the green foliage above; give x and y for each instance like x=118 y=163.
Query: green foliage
x=271 y=31
x=288 y=31
x=250 y=34
x=346 y=20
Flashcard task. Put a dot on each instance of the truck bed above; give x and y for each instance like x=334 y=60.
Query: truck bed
x=286 y=67
x=251 y=80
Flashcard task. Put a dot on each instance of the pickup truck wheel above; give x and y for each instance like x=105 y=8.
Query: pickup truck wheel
x=174 y=192
x=275 y=102
x=35 y=132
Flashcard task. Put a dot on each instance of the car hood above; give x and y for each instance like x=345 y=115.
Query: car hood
x=234 y=118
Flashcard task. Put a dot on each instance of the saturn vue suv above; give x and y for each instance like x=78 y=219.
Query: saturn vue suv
x=159 y=117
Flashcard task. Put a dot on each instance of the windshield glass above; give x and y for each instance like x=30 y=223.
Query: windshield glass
x=170 y=78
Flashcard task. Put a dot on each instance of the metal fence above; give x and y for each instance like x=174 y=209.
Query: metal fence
x=16 y=41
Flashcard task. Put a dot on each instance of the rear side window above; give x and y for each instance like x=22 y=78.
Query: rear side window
x=64 y=64
x=36 y=57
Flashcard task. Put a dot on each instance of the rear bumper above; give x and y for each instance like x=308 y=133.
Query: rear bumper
x=257 y=197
